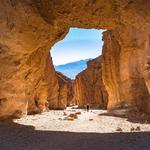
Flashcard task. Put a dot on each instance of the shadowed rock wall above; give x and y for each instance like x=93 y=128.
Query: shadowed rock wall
x=65 y=91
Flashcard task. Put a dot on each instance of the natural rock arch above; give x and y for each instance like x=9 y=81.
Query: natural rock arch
x=30 y=27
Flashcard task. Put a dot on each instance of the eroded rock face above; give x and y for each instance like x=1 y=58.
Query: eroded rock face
x=147 y=73
x=65 y=93
x=42 y=83
x=27 y=75
x=29 y=28
x=88 y=86
x=124 y=53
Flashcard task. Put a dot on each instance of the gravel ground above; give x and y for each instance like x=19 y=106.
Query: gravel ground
x=91 y=131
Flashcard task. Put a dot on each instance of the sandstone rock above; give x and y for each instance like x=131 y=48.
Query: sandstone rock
x=78 y=113
x=60 y=118
x=138 y=128
x=123 y=63
x=29 y=28
x=64 y=92
x=88 y=86
x=75 y=116
x=70 y=118
x=42 y=88
x=65 y=114
x=91 y=119
x=119 y=129
x=132 y=129
x=147 y=73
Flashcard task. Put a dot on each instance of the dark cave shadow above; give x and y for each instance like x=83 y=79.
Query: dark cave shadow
x=131 y=117
x=14 y=136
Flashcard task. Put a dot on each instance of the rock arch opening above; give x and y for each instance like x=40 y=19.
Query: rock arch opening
x=30 y=28
x=85 y=85
x=71 y=54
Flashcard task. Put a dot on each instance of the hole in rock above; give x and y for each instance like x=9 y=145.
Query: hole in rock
x=70 y=55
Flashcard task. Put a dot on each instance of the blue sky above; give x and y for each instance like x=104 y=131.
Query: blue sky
x=77 y=45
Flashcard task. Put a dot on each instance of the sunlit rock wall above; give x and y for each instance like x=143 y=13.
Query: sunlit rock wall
x=29 y=28
x=124 y=55
x=65 y=93
x=88 y=86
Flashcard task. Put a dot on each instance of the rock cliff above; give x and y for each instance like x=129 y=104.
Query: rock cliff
x=147 y=73
x=124 y=53
x=88 y=86
x=29 y=28
x=65 y=91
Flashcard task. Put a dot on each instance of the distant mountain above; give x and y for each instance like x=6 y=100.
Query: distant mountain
x=73 y=68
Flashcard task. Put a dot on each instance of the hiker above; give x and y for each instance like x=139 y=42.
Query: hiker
x=87 y=107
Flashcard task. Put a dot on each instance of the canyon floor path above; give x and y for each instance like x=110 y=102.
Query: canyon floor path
x=93 y=130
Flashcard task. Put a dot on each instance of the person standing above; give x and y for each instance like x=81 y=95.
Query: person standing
x=87 y=107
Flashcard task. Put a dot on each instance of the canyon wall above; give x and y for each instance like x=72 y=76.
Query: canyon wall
x=29 y=28
x=44 y=88
x=27 y=77
x=147 y=73
x=65 y=91
x=124 y=54
x=88 y=86
x=122 y=71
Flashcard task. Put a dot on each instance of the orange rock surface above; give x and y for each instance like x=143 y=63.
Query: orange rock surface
x=29 y=28
x=124 y=53
x=147 y=73
x=88 y=86
x=65 y=91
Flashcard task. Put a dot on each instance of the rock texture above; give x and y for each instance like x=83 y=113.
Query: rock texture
x=29 y=28
x=88 y=86
x=65 y=91
x=147 y=73
x=124 y=53
x=42 y=85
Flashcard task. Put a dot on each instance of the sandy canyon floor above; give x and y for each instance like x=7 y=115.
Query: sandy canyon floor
x=92 y=130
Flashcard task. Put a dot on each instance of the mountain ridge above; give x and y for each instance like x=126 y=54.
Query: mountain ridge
x=73 y=68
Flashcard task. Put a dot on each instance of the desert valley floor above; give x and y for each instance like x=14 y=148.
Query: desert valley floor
x=94 y=130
